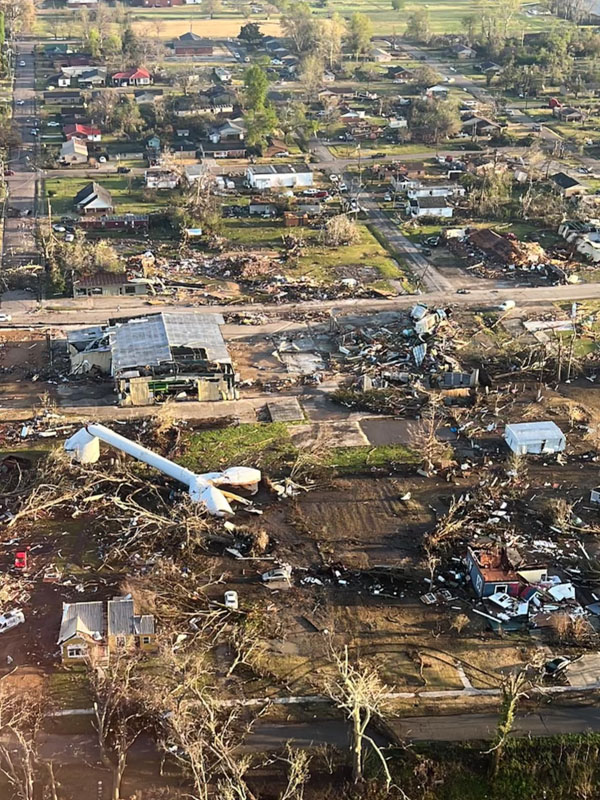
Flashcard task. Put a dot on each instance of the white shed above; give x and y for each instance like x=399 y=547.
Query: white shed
x=534 y=438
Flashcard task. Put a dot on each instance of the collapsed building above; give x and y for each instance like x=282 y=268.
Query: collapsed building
x=158 y=356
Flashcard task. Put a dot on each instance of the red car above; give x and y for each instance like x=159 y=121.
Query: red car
x=9 y=172
x=22 y=560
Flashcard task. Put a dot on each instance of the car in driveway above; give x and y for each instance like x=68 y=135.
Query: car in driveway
x=20 y=102
x=5 y=317
x=22 y=63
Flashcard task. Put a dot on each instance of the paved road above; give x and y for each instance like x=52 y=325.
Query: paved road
x=454 y=728
x=19 y=233
x=69 y=312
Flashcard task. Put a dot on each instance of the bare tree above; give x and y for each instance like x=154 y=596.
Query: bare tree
x=514 y=687
x=117 y=715
x=424 y=439
x=358 y=691
x=340 y=230
x=298 y=762
x=19 y=727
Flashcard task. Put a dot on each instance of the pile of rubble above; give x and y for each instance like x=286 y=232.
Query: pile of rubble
x=414 y=353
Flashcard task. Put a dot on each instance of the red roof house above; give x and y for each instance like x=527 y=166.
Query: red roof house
x=136 y=76
x=88 y=132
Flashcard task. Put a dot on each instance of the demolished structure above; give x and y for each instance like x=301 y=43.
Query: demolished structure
x=158 y=356
x=85 y=446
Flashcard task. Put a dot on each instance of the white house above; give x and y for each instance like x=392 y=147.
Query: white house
x=436 y=191
x=74 y=151
x=274 y=176
x=429 y=207
x=160 y=178
x=526 y=438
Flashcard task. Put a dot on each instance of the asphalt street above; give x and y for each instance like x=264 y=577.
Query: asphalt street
x=19 y=232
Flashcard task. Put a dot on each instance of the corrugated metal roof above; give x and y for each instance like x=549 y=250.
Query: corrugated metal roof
x=120 y=617
x=81 y=618
x=144 y=625
x=149 y=341
x=527 y=432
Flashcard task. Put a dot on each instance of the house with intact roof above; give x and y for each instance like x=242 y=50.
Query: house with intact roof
x=94 y=199
x=88 y=633
x=190 y=44
x=74 y=151
x=136 y=76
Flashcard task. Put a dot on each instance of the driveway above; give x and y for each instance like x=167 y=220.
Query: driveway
x=19 y=232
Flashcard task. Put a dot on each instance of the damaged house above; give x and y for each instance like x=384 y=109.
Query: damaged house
x=158 y=356
x=495 y=569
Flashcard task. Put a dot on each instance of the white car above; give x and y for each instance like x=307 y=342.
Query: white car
x=58 y=228
x=334 y=178
x=5 y=317
x=22 y=63
x=310 y=192
x=387 y=197
x=231 y=600
x=69 y=237
x=11 y=619
x=53 y=124
x=20 y=102
x=280 y=574
x=342 y=187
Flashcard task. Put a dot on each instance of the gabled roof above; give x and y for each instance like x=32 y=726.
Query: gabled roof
x=564 y=181
x=101 y=279
x=81 y=618
x=74 y=145
x=191 y=38
x=84 y=130
x=91 y=192
x=130 y=74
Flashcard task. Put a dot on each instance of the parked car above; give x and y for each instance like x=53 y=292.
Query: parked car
x=334 y=178
x=310 y=192
x=463 y=291
x=58 y=228
x=11 y=619
x=342 y=187
x=22 y=63
x=69 y=237
x=9 y=172
x=279 y=574
x=231 y=600
x=34 y=131
x=387 y=197
x=22 y=560
x=432 y=241
x=5 y=317
x=20 y=102
x=123 y=170
x=53 y=124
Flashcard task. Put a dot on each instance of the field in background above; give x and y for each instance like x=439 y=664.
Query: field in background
x=446 y=17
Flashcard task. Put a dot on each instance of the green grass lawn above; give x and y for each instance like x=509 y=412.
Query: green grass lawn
x=318 y=262
x=127 y=192
x=269 y=447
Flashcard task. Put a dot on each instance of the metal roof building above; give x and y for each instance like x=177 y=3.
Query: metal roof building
x=535 y=438
x=156 y=339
